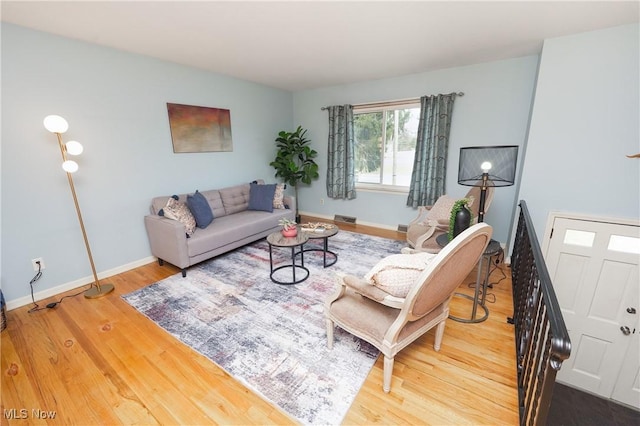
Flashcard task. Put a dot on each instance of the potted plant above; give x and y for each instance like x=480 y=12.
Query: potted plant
x=294 y=160
x=460 y=218
x=289 y=228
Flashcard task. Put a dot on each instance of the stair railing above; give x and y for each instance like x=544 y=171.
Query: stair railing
x=542 y=340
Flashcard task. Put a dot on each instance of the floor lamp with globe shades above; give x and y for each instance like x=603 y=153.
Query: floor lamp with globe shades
x=58 y=125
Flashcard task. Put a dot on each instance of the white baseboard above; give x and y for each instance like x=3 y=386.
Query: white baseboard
x=507 y=258
x=44 y=294
x=359 y=222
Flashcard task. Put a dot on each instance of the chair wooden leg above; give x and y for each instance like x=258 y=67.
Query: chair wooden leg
x=329 y=324
x=439 y=334
x=387 y=373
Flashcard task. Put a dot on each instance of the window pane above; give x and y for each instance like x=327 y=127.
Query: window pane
x=401 y=149
x=386 y=156
x=624 y=244
x=579 y=238
x=368 y=141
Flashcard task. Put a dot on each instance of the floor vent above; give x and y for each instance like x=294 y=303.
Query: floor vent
x=344 y=219
x=402 y=228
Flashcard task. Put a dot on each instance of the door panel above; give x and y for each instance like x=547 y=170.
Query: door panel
x=627 y=389
x=569 y=275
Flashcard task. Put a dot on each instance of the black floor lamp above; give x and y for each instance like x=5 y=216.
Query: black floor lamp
x=486 y=166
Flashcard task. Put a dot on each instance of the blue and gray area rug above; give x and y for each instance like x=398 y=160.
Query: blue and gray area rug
x=272 y=337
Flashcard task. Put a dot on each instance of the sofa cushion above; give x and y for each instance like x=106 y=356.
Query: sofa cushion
x=179 y=211
x=200 y=209
x=215 y=202
x=261 y=197
x=235 y=198
x=231 y=228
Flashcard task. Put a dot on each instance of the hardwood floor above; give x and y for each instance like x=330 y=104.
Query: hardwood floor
x=99 y=361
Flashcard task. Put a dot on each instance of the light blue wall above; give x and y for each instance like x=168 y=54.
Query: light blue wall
x=115 y=103
x=585 y=119
x=493 y=111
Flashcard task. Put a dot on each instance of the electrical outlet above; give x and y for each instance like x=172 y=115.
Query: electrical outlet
x=35 y=261
x=322 y=201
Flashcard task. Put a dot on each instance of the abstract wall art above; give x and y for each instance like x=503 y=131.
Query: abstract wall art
x=200 y=129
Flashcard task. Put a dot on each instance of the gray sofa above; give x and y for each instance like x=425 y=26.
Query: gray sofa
x=234 y=225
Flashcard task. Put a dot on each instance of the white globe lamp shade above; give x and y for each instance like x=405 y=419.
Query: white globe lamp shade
x=55 y=124
x=70 y=166
x=74 y=147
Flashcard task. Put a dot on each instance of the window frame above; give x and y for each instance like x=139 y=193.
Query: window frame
x=384 y=107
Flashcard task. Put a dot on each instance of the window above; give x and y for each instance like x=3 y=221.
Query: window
x=576 y=237
x=624 y=244
x=385 y=143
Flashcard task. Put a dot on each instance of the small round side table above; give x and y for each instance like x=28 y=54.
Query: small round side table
x=324 y=234
x=278 y=240
x=482 y=280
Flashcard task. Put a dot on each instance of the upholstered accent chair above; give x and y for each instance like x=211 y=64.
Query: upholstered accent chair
x=433 y=221
x=360 y=308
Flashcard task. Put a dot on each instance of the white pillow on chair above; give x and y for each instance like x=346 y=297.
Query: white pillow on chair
x=396 y=274
x=441 y=210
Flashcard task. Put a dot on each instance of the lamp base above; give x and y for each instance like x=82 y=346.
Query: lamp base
x=94 y=292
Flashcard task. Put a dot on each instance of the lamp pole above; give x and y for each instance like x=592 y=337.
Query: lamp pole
x=486 y=166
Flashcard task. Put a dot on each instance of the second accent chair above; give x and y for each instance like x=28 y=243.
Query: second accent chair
x=362 y=309
x=433 y=221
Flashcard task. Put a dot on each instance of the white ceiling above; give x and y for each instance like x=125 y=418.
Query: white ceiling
x=296 y=45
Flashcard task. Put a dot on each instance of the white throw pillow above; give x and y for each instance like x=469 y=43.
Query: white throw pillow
x=396 y=274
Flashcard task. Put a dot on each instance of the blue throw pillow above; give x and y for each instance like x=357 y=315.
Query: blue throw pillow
x=261 y=197
x=200 y=209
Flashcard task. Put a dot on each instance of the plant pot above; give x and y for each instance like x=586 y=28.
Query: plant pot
x=461 y=221
x=290 y=233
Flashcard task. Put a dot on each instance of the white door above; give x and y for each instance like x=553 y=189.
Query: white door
x=594 y=269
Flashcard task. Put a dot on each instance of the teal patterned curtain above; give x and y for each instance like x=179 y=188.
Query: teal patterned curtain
x=432 y=144
x=341 y=180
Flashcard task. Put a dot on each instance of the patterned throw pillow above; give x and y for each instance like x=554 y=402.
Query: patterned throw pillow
x=179 y=211
x=396 y=274
x=278 y=197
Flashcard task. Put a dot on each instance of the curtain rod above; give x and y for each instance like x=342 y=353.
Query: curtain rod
x=396 y=102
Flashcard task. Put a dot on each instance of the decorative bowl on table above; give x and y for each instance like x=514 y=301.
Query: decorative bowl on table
x=290 y=232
